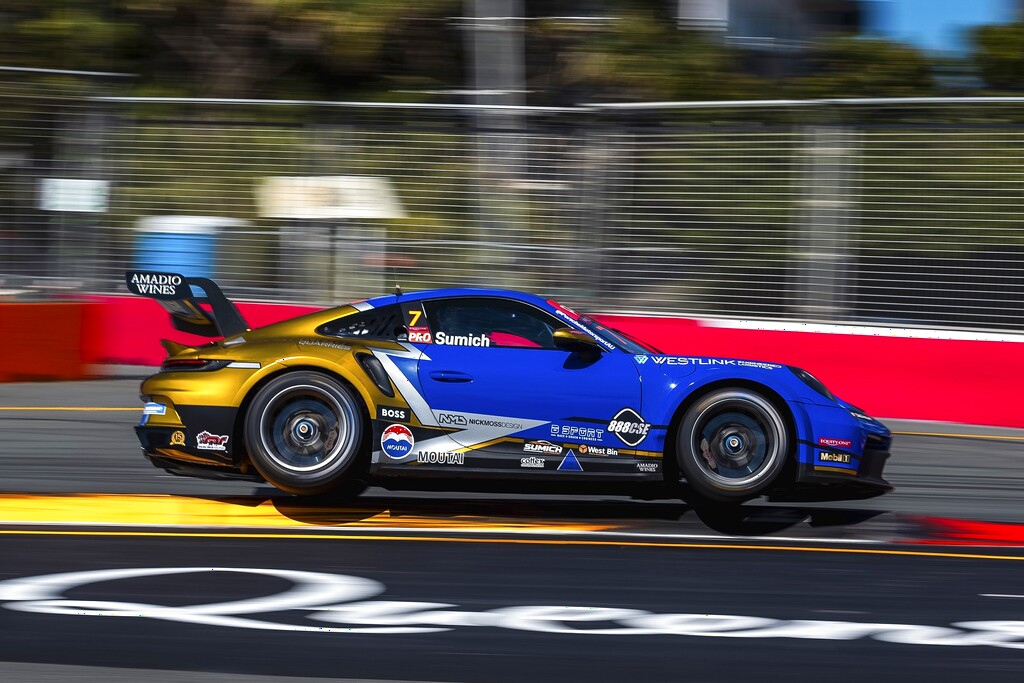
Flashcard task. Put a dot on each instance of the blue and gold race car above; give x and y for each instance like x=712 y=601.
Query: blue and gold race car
x=466 y=385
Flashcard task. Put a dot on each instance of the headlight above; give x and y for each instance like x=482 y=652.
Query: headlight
x=812 y=381
x=860 y=414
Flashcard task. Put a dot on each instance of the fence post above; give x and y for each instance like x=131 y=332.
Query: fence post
x=828 y=159
x=597 y=213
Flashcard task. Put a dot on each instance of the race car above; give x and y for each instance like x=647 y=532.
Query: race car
x=464 y=385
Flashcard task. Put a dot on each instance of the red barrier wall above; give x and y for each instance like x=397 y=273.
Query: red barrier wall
x=928 y=379
x=127 y=330
x=969 y=381
x=42 y=341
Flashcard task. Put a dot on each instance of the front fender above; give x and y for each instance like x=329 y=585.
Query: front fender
x=680 y=393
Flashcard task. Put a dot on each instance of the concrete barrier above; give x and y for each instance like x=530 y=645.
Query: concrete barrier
x=899 y=373
x=43 y=341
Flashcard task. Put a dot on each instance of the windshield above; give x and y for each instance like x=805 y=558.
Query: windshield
x=616 y=338
x=624 y=341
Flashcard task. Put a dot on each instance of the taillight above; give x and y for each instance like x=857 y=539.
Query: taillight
x=192 y=365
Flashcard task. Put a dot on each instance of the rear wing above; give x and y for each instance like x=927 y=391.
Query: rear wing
x=174 y=292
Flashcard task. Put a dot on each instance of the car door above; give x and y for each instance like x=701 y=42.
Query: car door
x=496 y=382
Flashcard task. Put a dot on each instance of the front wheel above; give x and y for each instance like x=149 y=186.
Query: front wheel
x=306 y=433
x=731 y=445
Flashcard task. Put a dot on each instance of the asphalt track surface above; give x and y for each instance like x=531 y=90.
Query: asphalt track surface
x=926 y=581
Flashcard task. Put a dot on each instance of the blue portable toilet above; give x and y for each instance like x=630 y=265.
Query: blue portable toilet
x=186 y=245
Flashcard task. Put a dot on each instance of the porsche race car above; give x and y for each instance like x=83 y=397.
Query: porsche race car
x=463 y=385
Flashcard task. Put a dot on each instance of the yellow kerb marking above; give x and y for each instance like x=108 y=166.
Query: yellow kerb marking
x=516 y=541
x=162 y=510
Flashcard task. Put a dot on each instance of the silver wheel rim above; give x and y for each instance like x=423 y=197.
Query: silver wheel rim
x=304 y=428
x=736 y=440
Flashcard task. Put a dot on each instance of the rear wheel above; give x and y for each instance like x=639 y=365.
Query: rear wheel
x=731 y=445
x=306 y=433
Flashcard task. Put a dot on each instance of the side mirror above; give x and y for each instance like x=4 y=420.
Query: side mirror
x=568 y=339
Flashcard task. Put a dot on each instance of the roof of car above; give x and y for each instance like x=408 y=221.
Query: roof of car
x=389 y=299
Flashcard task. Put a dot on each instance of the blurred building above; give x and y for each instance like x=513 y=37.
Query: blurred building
x=780 y=24
x=934 y=25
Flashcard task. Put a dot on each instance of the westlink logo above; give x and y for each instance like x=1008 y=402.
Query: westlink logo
x=438 y=458
x=629 y=427
x=205 y=441
x=542 y=447
x=343 y=605
x=679 y=360
x=673 y=360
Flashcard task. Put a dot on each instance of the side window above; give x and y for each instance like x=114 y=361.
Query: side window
x=490 y=322
x=379 y=323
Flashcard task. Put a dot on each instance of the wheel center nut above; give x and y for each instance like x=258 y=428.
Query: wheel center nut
x=734 y=444
x=305 y=430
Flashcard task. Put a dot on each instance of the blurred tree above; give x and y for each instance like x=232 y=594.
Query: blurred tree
x=406 y=49
x=64 y=34
x=639 y=54
x=262 y=48
x=850 y=66
x=999 y=55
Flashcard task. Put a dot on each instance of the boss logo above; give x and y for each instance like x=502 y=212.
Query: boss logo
x=396 y=414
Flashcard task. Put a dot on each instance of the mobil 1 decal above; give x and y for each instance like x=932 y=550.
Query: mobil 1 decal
x=629 y=427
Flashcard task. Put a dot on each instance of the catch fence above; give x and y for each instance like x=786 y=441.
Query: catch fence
x=896 y=212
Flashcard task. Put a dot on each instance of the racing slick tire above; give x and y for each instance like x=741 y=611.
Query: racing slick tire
x=731 y=445
x=306 y=434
